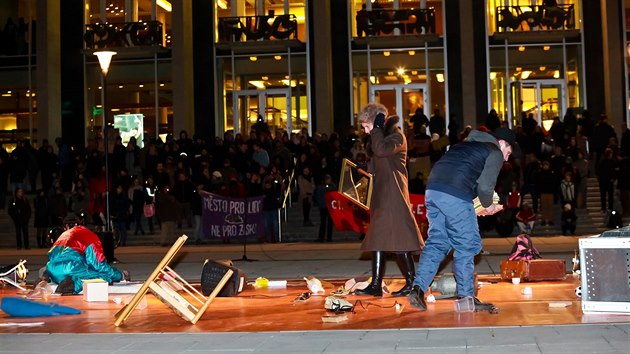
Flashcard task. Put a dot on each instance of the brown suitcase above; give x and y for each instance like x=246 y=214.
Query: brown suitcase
x=534 y=270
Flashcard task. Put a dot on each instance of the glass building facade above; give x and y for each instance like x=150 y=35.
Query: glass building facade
x=209 y=66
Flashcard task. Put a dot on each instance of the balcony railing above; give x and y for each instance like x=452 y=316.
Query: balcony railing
x=254 y=28
x=530 y=18
x=124 y=34
x=385 y=21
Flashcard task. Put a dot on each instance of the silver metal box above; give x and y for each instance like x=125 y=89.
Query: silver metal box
x=605 y=266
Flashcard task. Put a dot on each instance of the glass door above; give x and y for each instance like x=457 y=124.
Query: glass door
x=273 y=105
x=545 y=99
x=277 y=108
x=400 y=99
x=246 y=107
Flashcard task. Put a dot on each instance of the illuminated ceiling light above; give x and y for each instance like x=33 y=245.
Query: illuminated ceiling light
x=556 y=74
x=141 y=85
x=493 y=75
x=412 y=52
x=543 y=68
x=414 y=72
x=521 y=48
x=439 y=77
x=100 y=87
x=293 y=83
x=253 y=58
x=546 y=48
x=165 y=5
x=278 y=57
x=120 y=86
x=386 y=53
x=525 y=74
x=115 y=109
x=265 y=78
x=400 y=71
x=221 y=4
x=407 y=81
x=518 y=69
x=258 y=84
x=390 y=73
x=373 y=79
x=161 y=84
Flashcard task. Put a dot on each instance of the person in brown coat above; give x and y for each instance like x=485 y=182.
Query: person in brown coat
x=393 y=227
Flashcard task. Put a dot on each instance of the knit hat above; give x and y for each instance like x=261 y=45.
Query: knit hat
x=505 y=134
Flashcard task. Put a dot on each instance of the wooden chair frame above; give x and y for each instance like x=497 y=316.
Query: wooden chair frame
x=164 y=283
x=16 y=273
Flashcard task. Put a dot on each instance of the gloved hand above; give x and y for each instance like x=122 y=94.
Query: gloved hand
x=379 y=121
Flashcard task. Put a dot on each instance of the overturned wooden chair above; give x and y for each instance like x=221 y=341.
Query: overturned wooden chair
x=14 y=274
x=166 y=284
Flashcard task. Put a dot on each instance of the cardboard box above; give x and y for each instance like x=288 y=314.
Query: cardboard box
x=95 y=290
x=605 y=268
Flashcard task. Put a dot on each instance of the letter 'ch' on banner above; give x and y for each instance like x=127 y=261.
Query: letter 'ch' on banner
x=346 y=215
x=226 y=217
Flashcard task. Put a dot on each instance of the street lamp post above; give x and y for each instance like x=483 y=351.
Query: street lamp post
x=104 y=60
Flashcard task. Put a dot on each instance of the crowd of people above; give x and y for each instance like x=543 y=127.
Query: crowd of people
x=147 y=183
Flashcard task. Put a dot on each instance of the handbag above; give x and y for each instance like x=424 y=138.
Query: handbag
x=149 y=210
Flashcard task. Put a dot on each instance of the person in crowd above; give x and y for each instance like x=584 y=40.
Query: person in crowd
x=149 y=198
x=79 y=198
x=306 y=187
x=5 y=168
x=513 y=201
x=393 y=227
x=272 y=201
x=530 y=179
x=260 y=155
x=606 y=174
x=20 y=212
x=568 y=219
x=57 y=206
x=567 y=190
x=623 y=182
x=547 y=185
x=525 y=219
x=164 y=206
x=416 y=184
x=77 y=255
x=137 y=198
x=196 y=206
x=581 y=166
x=183 y=190
x=468 y=170
x=119 y=204
x=325 y=220
x=41 y=221
x=437 y=124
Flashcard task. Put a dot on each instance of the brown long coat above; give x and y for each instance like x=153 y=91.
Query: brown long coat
x=392 y=227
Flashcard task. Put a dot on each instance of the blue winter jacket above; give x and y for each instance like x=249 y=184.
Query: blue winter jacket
x=469 y=169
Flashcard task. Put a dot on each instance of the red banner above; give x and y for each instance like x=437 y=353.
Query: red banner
x=348 y=216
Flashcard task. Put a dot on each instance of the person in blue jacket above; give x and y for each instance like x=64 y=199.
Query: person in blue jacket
x=77 y=255
x=466 y=171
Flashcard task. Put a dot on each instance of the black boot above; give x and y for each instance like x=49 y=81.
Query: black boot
x=405 y=262
x=416 y=298
x=378 y=271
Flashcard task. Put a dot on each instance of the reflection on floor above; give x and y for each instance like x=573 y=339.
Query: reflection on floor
x=256 y=310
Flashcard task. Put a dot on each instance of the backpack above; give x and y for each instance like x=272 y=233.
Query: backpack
x=523 y=249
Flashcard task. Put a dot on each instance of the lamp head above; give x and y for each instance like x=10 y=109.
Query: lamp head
x=104 y=59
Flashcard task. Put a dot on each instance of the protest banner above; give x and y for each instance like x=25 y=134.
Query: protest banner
x=346 y=215
x=225 y=217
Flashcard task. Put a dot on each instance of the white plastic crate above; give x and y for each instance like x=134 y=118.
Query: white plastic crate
x=605 y=266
